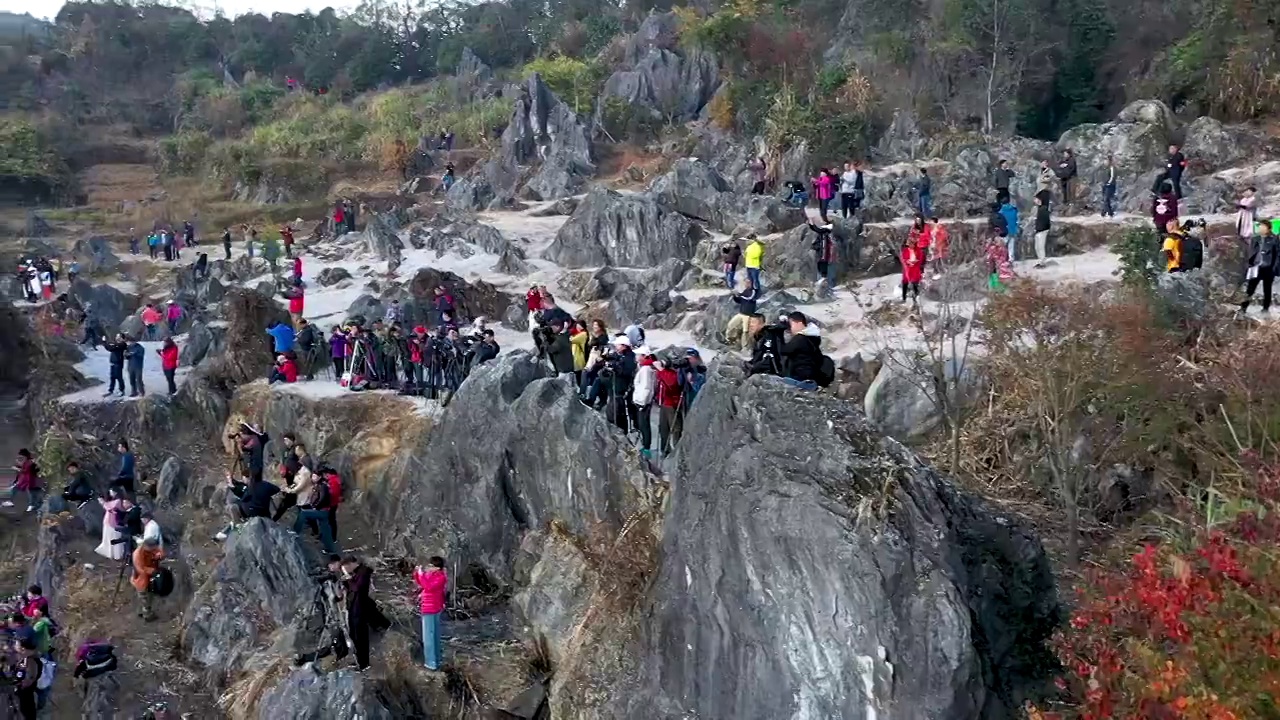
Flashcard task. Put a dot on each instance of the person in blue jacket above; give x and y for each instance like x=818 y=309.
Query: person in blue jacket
x=283 y=336
x=1010 y=214
x=124 y=478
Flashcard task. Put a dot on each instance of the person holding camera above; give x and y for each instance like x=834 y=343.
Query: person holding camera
x=738 y=324
x=616 y=374
x=802 y=352
x=669 y=396
x=146 y=562
x=766 y=357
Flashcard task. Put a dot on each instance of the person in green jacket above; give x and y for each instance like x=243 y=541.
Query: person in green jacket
x=271 y=251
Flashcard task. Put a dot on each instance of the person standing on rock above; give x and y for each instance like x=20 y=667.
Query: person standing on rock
x=912 y=269
x=746 y=302
x=363 y=614
x=848 y=190
x=286 y=236
x=189 y=233
x=201 y=271
x=759 y=169
x=1010 y=214
x=1066 y=172
x=339 y=220
x=432 y=582
x=151 y=317
x=282 y=337
x=112 y=525
x=308 y=352
x=999 y=266
x=1044 y=180
x=1001 y=178
x=1246 y=214
x=313 y=508
x=443 y=302
x=939 y=246
x=296 y=477
x=297 y=301
x=127 y=473
x=669 y=398
x=26 y=479
x=1043 y=223
x=173 y=316
x=753 y=259
x=730 y=255
x=1109 y=189
x=115 y=351
x=1263 y=264
x=824 y=255
x=146 y=563
x=226 y=242
x=136 y=356
x=642 y=392
x=1174 y=167
x=825 y=190
x=168 y=353
x=924 y=193
x=350 y=213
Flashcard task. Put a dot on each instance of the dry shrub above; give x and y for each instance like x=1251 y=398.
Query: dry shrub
x=240 y=701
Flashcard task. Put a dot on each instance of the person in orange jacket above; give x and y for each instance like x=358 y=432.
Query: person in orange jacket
x=939 y=245
x=146 y=562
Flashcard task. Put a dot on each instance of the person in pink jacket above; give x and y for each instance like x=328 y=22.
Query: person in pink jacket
x=824 y=188
x=432 y=581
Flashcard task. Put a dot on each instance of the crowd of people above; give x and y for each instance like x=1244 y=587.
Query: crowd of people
x=164 y=242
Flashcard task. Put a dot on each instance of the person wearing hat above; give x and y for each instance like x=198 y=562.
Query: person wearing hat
x=621 y=366
x=642 y=392
x=753 y=259
x=146 y=562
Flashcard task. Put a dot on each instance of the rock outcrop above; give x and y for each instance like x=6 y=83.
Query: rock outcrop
x=381 y=238
x=260 y=592
x=482 y=480
x=308 y=695
x=248 y=354
x=609 y=228
x=104 y=303
x=546 y=154
x=474 y=78
x=95 y=255
x=881 y=588
x=194 y=294
x=630 y=296
x=696 y=190
x=658 y=76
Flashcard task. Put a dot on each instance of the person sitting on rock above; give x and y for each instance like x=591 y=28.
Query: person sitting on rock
x=246 y=499
x=802 y=353
x=285 y=370
x=79 y=489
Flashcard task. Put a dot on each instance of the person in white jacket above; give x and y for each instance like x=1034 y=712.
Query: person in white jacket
x=643 y=389
x=1246 y=214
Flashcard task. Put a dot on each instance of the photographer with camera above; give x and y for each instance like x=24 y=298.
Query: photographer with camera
x=738 y=324
x=1192 y=245
x=559 y=347
x=766 y=353
x=802 y=352
x=484 y=351
x=644 y=387
x=614 y=379
x=670 y=393
x=146 y=563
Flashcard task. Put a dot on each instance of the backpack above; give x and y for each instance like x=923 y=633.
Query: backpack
x=334 y=481
x=161 y=583
x=94 y=660
x=826 y=373
x=47 y=668
x=1192 y=253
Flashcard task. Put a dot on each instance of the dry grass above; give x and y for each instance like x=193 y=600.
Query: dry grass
x=240 y=701
x=107 y=186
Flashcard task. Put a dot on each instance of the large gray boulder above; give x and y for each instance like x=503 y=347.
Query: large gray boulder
x=903 y=400
x=632 y=295
x=381 y=238
x=1186 y=294
x=474 y=78
x=696 y=190
x=202 y=341
x=546 y=151
x=367 y=307
x=261 y=587
x=881 y=588
x=493 y=480
x=609 y=228
x=308 y=695
x=95 y=255
x=468 y=194
x=657 y=75
x=104 y=303
x=195 y=294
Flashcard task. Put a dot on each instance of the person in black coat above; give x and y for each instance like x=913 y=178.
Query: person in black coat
x=116 y=349
x=560 y=350
x=363 y=614
x=802 y=352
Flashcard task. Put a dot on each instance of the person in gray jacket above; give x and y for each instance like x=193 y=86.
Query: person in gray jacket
x=1264 y=265
x=135 y=354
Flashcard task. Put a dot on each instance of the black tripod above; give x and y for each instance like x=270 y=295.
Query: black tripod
x=126 y=562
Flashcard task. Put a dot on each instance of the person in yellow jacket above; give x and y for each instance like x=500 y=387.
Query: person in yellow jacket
x=753 y=258
x=578 y=339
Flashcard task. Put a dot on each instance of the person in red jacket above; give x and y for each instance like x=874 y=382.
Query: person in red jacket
x=286 y=236
x=297 y=270
x=286 y=370
x=432 y=582
x=669 y=397
x=533 y=303
x=296 y=297
x=912 y=268
x=27 y=480
x=339 y=220
x=168 y=353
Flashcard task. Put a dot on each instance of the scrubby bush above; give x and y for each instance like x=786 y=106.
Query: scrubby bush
x=576 y=82
x=184 y=152
x=625 y=121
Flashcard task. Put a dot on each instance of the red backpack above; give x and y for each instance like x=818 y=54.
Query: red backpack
x=334 y=481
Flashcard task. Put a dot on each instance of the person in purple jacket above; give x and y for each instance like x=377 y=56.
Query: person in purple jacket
x=338 y=351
